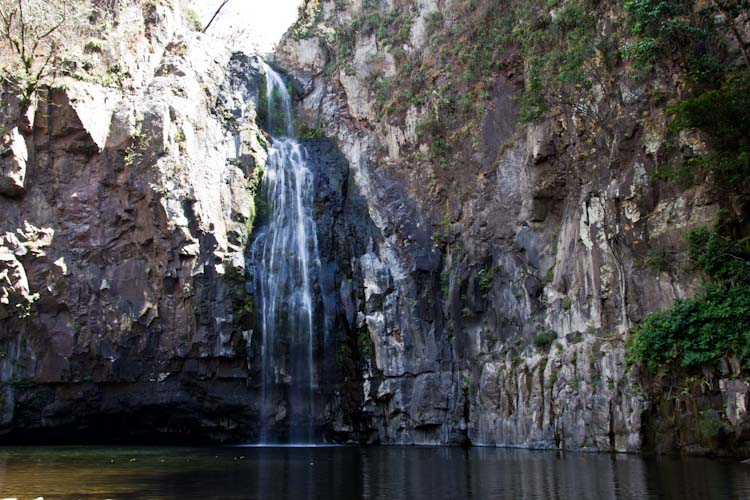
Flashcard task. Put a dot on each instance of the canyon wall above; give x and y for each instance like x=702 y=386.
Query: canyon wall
x=124 y=244
x=483 y=271
x=517 y=254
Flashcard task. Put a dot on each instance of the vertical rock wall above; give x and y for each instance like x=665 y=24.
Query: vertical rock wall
x=123 y=244
x=500 y=295
x=484 y=297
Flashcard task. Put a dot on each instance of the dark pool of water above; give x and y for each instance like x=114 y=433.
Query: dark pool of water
x=351 y=473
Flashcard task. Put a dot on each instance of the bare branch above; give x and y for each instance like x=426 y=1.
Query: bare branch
x=41 y=73
x=23 y=32
x=215 y=14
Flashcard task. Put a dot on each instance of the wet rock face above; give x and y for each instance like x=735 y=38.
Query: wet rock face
x=500 y=289
x=343 y=229
x=484 y=301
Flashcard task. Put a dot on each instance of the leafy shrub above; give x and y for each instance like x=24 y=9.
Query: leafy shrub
x=700 y=330
x=711 y=425
x=364 y=342
x=543 y=341
x=724 y=115
x=486 y=279
x=658 y=258
x=567 y=303
x=433 y=130
x=678 y=29
x=193 y=20
x=560 y=51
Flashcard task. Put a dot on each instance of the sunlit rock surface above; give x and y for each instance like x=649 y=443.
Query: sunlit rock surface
x=524 y=233
x=487 y=300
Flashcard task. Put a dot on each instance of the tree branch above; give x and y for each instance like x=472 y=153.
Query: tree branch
x=23 y=33
x=215 y=14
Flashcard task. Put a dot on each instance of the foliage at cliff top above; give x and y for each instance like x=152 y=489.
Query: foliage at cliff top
x=43 y=40
x=701 y=330
x=572 y=53
x=715 y=323
x=34 y=35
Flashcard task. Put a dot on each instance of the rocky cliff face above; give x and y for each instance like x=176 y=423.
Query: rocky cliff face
x=126 y=213
x=126 y=298
x=483 y=273
x=514 y=258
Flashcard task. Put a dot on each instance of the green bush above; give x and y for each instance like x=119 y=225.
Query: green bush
x=710 y=425
x=700 y=330
x=194 y=20
x=364 y=342
x=486 y=279
x=560 y=52
x=723 y=114
x=679 y=29
x=567 y=303
x=658 y=258
x=543 y=341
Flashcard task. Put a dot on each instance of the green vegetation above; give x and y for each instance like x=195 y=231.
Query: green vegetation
x=567 y=303
x=309 y=133
x=543 y=341
x=259 y=206
x=658 y=258
x=391 y=29
x=445 y=281
x=678 y=29
x=364 y=342
x=262 y=99
x=688 y=32
x=711 y=425
x=193 y=20
x=243 y=304
x=134 y=151
x=247 y=309
x=24 y=309
x=273 y=122
x=453 y=83
x=567 y=59
x=94 y=47
x=35 y=37
x=549 y=276
x=564 y=56
x=179 y=138
x=516 y=361
x=486 y=280
x=700 y=330
x=723 y=114
x=691 y=34
x=308 y=16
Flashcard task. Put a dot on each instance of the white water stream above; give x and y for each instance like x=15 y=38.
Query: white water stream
x=286 y=259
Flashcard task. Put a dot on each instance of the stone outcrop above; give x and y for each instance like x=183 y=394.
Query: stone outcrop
x=123 y=249
x=500 y=296
x=483 y=300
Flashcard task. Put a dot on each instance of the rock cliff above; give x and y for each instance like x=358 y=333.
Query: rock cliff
x=126 y=216
x=517 y=255
x=483 y=271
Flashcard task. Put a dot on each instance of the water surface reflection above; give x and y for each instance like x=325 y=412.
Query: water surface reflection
x=351 y=473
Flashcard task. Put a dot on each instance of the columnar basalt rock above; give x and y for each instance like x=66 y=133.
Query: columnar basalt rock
x=501 y=292
x=478 y=292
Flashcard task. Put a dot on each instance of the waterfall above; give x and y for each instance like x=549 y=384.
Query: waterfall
x=286 y=267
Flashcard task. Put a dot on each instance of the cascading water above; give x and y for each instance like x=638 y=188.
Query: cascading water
x=286 y=267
